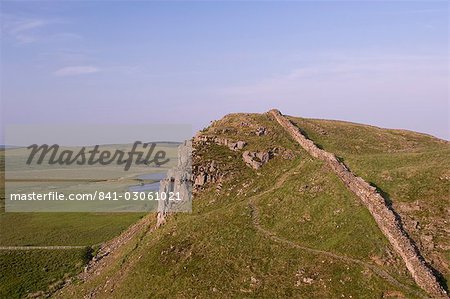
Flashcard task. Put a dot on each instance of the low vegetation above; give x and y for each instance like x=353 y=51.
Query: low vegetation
x=35 y=271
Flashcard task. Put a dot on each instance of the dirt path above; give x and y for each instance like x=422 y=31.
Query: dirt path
x=271 y=235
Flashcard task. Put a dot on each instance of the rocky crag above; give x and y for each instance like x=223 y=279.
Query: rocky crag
x=179 y=182
x=386 y=218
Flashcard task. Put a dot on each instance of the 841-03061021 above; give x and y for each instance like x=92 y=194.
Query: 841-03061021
x=140 y=196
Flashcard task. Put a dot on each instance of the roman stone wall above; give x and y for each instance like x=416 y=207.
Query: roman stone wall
x=388 y=221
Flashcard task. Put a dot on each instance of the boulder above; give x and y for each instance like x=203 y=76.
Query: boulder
x=200 y=179
x=256 y=159
x=261 y=131
x=236 y=145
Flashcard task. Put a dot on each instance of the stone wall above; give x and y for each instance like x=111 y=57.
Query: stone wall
x=388 y=221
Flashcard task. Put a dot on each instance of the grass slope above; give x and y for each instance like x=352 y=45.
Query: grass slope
x=23 y=272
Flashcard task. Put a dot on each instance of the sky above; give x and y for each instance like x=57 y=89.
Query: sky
x=384 y=63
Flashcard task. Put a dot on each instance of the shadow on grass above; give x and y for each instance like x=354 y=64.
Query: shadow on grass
x=440 y=278
x=87 y=253
x=341 y=160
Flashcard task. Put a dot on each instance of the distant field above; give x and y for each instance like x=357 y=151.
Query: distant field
x=47 y=229
x=29 y=271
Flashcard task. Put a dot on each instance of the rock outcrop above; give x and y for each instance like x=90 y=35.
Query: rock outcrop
x=209 y=172
x=387 y=219
x=178 y=180
x=232 y=145
x=256 y=159
x=261 y=131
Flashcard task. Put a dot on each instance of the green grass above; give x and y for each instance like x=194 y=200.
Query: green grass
x=46 y=229
x=30 y=271
x=315 y=208
x=219 y=255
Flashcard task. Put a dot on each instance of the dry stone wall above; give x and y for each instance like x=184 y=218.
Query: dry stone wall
x=386 y=218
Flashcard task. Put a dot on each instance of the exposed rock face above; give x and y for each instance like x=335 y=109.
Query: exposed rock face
x=256 y=159
x=234 y=146
x=178 y=180
x=207 y=173
x=388 y=221
x=201 y=179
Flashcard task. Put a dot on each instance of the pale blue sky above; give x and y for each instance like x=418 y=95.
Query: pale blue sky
x=380 y=63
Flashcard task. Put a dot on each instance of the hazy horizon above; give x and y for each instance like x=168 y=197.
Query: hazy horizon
x=379 y=63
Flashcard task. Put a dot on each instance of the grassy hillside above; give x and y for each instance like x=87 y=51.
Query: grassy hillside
x=409 y=168
x=288 y=229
